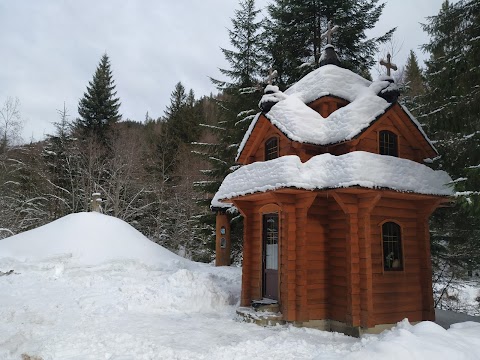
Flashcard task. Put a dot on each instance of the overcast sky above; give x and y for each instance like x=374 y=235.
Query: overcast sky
x=50 y=49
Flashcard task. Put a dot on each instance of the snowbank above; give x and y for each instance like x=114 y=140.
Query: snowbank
x=425 y=340
x=88 y=239
x=111 y=303
x=328 y=171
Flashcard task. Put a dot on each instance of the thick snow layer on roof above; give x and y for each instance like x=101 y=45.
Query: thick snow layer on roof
x=328 y=171
x=303 y=124
x=300 y=123
x=329 y=80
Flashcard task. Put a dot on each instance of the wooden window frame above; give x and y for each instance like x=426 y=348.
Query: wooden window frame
x=400 y=248
x=387 y=149
x=268 y=153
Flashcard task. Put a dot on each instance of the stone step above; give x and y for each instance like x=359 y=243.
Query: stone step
x=262 y=318
x=266 y=305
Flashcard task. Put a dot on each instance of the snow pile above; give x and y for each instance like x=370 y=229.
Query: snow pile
x=88 y=239
x=329 y=80
x=425 y=340
x=66 y=303
x=328 y=171
x=303 y=124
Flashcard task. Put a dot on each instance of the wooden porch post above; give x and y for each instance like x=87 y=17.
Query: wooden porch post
x=223 y=243
x=367 y=203
x=428 y=309
x=245 y=209
x=349 y=205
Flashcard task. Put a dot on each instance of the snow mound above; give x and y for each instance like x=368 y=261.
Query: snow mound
x=88 y=239
x=425 y=340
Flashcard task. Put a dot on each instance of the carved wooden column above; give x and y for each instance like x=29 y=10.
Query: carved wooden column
x=303 y=204
x=287 y=285
x=423 y=233
x=367 y=203
x=245 y=209
x=349 y=205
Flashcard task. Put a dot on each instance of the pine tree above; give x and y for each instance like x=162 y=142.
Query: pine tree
x=237 y=105
x=450 y=111
x=98 y=109
x=295 y=32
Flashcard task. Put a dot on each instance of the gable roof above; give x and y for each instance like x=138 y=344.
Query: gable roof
x=293 y=117
x=326 y=171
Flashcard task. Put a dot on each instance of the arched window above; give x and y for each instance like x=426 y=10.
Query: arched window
x=271 y=148
x=388 y=143
x=392 y=247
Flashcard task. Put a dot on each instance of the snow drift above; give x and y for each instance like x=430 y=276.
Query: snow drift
x=89 y=286
x=89 y=239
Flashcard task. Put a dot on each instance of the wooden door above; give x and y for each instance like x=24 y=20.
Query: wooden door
x=270 y=256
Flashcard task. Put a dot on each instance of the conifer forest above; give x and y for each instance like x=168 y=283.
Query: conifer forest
x=160 y=174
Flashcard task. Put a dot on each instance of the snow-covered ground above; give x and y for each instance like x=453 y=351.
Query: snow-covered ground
x=89 y=286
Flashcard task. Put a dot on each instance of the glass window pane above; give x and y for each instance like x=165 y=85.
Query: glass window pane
x=271 y=241
x=392 y=246
x=388 y=144
x=271 y=149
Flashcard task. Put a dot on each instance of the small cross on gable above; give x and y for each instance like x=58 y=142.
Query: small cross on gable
x=272 y=75
x=328 y=34
x=388 y=64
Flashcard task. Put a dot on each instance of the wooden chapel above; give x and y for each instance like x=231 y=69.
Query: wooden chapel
x=336 y=198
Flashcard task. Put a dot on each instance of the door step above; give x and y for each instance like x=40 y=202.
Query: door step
x=262 y=318
x=266 y=305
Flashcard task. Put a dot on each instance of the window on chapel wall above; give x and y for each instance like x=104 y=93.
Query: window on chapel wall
x=392 y=247
x=388 y=143
x=271 y=148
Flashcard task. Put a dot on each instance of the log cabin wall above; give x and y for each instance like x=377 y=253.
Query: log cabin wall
x=284 y=145
x=327 y=105
x=397 y=294
x=317 y=259
x=406 y=150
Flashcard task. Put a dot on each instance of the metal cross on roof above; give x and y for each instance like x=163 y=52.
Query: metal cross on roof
x=388 y=64
x=272 y=74
x=328 y=34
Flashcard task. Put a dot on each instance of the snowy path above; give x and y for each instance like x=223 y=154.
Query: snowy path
x=135 y=313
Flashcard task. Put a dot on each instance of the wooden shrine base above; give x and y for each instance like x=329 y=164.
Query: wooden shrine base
x=270 y=318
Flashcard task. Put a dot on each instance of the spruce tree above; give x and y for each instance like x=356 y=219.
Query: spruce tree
x=295 y=29
x=181 y=118
x=237 y=105
x=98 y=109
x=450 y=109
x=61 y=169
x=413 y=83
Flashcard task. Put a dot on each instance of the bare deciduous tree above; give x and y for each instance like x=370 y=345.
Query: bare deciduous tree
x=10 y=123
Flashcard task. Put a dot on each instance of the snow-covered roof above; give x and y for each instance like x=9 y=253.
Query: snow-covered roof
x=291 y=114
x=327 y=171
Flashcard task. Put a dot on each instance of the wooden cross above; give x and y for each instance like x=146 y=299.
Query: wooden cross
x=328 y=34
x=272 y=74
x=388 y=64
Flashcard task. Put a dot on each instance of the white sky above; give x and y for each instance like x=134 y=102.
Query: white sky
x=50 y=50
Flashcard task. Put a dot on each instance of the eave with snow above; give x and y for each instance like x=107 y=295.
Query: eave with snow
x=336 y=199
